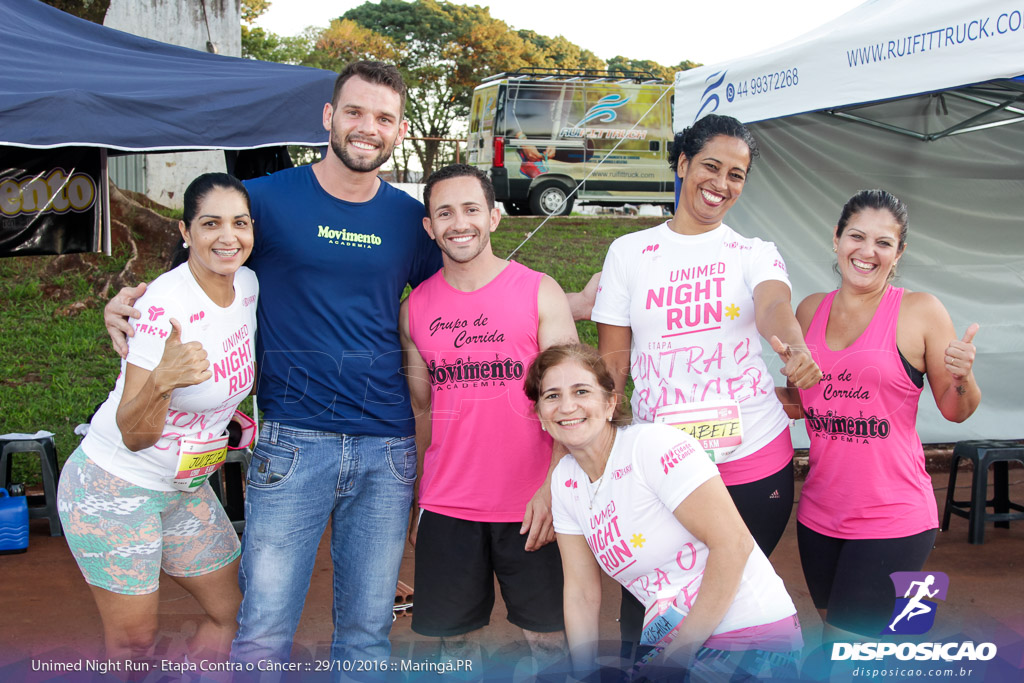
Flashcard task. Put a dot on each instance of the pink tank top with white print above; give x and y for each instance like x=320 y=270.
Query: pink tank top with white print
x=867 y=475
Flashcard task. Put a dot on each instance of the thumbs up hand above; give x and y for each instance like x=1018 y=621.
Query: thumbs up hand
x=960 y=354
x=800 y=368
x=183 y=364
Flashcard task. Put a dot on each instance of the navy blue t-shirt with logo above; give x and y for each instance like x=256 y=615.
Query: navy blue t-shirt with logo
x=331 y=276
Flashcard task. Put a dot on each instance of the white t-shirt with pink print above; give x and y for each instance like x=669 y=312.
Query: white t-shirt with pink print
x=689 y=301
x=201 y=411
x=627 y=519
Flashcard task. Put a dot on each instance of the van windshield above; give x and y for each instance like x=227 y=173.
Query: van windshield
x=541 y=110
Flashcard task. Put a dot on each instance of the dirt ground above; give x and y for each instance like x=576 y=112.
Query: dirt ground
x=49 y=615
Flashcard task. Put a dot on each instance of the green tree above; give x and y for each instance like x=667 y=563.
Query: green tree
x=484 y=46
x=270 y=47
x=346 y=41
x=667 y=73
x=686 y=65
x=560 y=53
x=625 y=65
x=253 y=10
x=91 y=10
x=267 y=46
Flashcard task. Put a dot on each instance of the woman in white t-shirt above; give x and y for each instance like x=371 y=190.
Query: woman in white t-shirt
x=133 y=497
x=683 y=307
x=646 y=505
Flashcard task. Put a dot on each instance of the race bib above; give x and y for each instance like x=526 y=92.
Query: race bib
x=715 y=424
x=661 y=629
x=658 y=633
x=197 y=460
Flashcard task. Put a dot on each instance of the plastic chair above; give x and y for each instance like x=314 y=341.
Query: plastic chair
x=983 y=455
x=45 y=449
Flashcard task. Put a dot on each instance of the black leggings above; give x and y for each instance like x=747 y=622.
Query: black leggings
x=850 y=577
x=765 y=506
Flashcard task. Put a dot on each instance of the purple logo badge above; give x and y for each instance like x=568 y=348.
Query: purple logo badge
x=916 y=593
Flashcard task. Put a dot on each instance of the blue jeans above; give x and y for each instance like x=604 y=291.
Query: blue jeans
x=299 y=479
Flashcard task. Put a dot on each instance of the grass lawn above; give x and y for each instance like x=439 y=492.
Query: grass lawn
x=56 y=363
x=569 y=249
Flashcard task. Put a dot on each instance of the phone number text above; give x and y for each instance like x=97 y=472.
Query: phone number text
x=759 y=85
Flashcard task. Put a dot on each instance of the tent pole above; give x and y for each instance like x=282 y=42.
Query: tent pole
x=967 y=124
x=105 y=199
x=981 y=100
x=876 y=124
x=985 y=126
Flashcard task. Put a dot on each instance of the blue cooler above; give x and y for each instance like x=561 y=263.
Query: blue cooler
x=13 y=523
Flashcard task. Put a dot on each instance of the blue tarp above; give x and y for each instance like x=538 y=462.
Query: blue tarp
x=66 y=81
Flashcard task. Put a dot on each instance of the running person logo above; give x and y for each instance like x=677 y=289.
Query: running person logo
x=916 y=593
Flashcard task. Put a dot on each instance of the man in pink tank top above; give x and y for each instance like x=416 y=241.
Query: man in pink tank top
x=484 y=497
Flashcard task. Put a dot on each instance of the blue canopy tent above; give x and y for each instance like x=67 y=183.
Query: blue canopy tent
x=66 y=82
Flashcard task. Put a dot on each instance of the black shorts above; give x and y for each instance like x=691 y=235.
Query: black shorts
x=850 y=577
x=456 y=562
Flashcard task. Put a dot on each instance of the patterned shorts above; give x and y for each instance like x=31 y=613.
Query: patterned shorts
x=122 y=535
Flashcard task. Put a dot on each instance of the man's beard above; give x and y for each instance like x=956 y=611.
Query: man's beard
x=360 y=164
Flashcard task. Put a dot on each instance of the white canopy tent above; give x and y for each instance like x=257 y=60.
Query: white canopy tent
x=920 y=98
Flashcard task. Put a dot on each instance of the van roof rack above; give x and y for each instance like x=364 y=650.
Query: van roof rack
x=585 y=75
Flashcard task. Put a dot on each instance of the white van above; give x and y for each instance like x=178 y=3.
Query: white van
x=540 y=133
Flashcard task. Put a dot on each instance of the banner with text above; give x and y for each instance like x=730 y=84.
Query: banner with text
x=877 y=51
x=51 y=200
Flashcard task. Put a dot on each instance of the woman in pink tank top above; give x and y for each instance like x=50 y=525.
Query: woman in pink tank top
x=867 y=508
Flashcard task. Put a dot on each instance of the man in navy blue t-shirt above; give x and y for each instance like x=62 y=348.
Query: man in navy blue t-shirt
x=335 y=247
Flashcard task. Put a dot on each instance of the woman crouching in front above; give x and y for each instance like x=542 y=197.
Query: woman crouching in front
x=646 y=504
